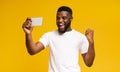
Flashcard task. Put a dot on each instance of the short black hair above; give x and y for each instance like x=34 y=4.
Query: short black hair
x=65 y=8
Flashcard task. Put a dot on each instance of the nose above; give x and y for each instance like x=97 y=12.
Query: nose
x=60 y=20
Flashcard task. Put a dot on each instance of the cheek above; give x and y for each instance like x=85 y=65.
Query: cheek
x=67 y=21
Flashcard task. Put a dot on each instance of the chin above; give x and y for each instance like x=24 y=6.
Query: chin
x=61 y=31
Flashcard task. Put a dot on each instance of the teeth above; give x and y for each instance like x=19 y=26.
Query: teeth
x=61 y=24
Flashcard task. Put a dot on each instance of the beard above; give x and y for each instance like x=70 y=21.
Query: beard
x=66 y=26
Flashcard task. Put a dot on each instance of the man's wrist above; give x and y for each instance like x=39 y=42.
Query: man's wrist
x=28 y=34
x=91 y=41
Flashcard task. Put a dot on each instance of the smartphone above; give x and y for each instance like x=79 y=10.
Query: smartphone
x=37 y=21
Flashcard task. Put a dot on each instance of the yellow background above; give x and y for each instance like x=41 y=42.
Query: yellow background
x=101 y=15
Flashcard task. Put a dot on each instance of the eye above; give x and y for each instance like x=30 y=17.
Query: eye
x=64 y=18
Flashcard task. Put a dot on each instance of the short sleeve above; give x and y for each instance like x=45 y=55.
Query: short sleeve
x=44 y=40
x=84 y=45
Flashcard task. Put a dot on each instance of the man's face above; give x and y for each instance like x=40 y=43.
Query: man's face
x=63 y=21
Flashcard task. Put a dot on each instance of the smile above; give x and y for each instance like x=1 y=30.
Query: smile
x=61 y=26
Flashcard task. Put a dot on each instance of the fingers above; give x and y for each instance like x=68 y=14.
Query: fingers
x=29 y=19
x=89 y=31
x=27 y=23
x=89 y=34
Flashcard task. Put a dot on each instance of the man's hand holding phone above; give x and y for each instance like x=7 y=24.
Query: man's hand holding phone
x=27 y=26
x=30 y=23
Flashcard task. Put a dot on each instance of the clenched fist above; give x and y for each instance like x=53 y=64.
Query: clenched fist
x=27 y=27
x=90 y=34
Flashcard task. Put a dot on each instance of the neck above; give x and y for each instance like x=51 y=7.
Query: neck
x=68 y=29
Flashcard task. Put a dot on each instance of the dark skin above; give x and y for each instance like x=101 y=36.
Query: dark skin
x=63 y=20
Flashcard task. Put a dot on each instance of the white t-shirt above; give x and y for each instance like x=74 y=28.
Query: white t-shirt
x=64 y=50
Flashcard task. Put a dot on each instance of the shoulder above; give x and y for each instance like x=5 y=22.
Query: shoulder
x=78 y=33
x=81 y=36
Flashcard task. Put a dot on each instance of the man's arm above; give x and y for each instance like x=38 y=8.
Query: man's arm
x=90 y=55
x=32 y=47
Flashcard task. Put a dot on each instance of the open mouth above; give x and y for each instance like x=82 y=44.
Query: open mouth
x=61 y=26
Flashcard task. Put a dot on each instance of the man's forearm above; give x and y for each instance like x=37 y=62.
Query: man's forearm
x=30 y=44
x=89 y=58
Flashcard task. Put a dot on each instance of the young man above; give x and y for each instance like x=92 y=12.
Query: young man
x=64 y=43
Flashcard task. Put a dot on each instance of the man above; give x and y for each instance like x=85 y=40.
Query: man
x=64 y=43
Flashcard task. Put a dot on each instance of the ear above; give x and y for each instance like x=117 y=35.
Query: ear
x=71 y=18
